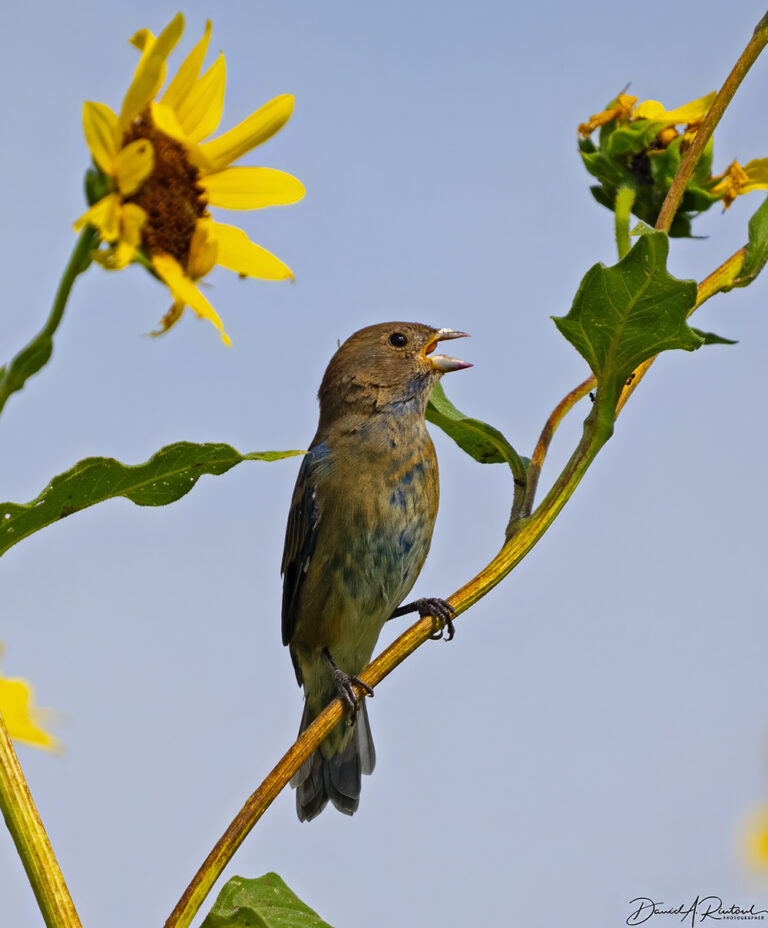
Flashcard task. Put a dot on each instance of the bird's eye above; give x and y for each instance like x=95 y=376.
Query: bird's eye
x=398 y=339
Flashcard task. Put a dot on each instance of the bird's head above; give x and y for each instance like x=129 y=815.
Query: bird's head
x=386 y=365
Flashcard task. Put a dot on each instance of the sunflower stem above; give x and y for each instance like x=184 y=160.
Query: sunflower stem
x=747 y=58
x=35 y=355
x=34 y=848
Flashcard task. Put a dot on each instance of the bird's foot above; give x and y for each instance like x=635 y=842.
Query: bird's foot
x=443 y=611
x=438 y=608
x=345 y=686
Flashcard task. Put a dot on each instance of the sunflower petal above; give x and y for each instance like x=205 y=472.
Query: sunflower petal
x=105 y=216
x=132 y=221
x=165 y=120
x=203 y=249
x=102 y=135
x=188 y=73
x=757 y=172
x=185 y=292
x=254 y=130
x=21 y=718
x=143 y=40
x=200 y=112
x=689 y=114
x=150 y=72
x=251 y=188
x=238 y=253
x=133 y=165
x=170 y=319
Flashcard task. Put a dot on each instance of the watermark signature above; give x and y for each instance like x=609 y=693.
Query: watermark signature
x=702 y=908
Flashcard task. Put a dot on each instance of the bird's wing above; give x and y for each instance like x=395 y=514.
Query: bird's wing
x=300 y=536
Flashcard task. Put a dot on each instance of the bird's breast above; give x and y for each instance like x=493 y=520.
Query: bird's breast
x=377 y=501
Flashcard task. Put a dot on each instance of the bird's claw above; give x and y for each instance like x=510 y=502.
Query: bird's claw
x=345 y=686
x=441 y=610
x=346 y=689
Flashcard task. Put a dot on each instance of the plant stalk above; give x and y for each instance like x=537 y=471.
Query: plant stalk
x=34 y=848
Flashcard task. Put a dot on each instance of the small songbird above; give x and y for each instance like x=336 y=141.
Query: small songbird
x=358 y=533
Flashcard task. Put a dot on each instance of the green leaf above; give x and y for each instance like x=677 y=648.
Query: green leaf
x=26 y=363
x=624 y=314
x=481 y=441
x=757 y=247
x=709 y=338
x=265 y=902
x=165 y=477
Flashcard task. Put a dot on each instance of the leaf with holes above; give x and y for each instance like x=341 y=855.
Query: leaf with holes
x=167 y=476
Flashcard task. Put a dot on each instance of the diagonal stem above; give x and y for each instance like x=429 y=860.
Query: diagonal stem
x=34 y=848
x=725 y=94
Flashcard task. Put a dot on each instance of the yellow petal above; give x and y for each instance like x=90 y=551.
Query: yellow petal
x=186 y=77
x=150 y=72
x=203 y=249
x=692 y=112
x=169 y=319
x=132 y=221
x=165 y=120
x=102 y=135
x=254 y=130
x=238 y=253
x=185 y=292
x=200 y=111
x=21 y=718
x=142 y=40
x=757 y=172
x=251 y=188
x=621 y=110
x=105 y=216
x=133 y=166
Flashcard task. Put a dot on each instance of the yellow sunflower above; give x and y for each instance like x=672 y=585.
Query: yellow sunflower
x=738 y=180
x=627 y=109
x=22 y=719
x=158 y=175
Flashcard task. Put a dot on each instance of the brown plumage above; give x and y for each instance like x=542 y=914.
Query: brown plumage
x=358 y=533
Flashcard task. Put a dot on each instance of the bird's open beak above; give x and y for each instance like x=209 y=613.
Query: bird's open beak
x=441 y=362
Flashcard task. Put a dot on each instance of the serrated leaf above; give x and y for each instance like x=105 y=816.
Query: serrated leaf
x=624 y=314
x=265 y=902
x=709 y=338
x=167 y=476
x=481 y=441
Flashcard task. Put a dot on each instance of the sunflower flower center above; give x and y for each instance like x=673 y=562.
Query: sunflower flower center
x=171 y=196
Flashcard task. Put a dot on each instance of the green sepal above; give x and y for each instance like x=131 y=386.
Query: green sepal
x=626 y=157
x=167 y=476
x=97 y=185
x=265 y=902
x=624 y=314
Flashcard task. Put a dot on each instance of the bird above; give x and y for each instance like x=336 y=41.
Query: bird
x=359 y=530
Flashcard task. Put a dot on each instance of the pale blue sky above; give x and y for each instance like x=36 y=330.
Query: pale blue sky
x=599 y=726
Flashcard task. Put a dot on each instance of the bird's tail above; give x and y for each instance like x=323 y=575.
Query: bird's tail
x=337 y=777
